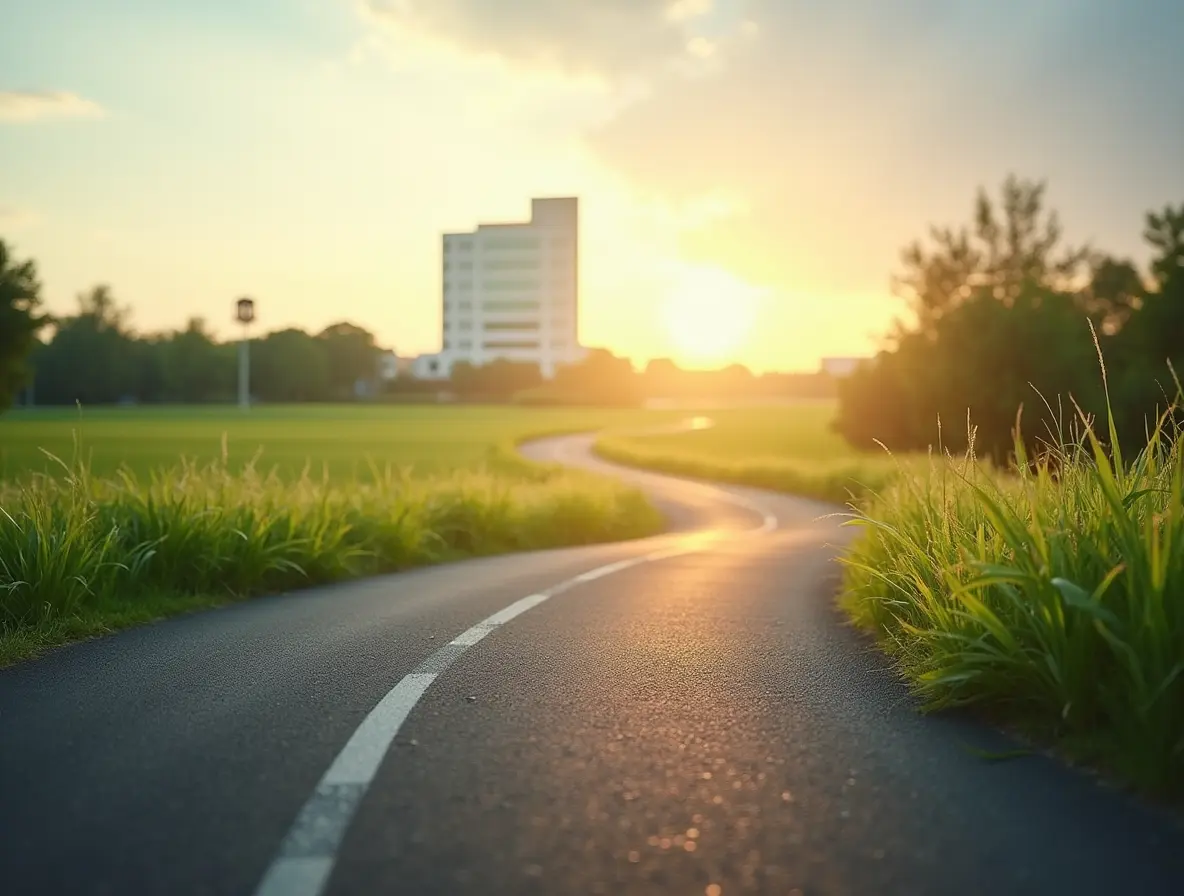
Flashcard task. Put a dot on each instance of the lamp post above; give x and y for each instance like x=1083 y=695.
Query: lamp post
x=244 y=312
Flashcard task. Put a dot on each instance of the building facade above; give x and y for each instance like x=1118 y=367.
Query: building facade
x=511 y=291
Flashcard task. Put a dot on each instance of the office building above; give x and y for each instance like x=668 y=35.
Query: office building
x=511 y=291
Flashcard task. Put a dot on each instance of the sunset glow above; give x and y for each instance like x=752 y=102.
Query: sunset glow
x=359 y=131
x=709 y=316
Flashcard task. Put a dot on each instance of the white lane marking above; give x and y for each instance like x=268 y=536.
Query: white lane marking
x=471 y=636
x=290 y=876
x=306 y=857
x=359 y=758
x=602 y=571
x=501 y=617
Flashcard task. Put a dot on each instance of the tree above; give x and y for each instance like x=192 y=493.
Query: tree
x=735 y=379
x=289 y=365
x=1116 y=290
x=1002 y=318
x=194 y=368
x=498 y=380
x=91 y=358
x=996 y=254
x=1164 y=231
x=981 y=364
x=148 y=376
x=664 y=379
x=351 y=355
x=601 y=378
x=1151 y=346
x=20 y=299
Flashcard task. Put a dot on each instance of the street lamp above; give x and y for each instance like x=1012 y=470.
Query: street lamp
x=244 y=313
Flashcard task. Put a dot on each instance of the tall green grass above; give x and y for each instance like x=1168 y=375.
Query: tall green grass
x=1052 y=597
x=80 y=554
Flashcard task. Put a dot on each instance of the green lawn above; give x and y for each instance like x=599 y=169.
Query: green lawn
x=788 y=448
x=800 y=431
x=342 y=438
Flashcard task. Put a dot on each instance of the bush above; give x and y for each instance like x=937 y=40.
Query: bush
x=1054 y=597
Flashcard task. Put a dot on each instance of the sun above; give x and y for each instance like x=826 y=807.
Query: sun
x=709 y=315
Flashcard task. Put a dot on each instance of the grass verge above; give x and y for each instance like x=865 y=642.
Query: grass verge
x=838 y=482
x=82 y=555
x=787 y=448
x=1052 y=598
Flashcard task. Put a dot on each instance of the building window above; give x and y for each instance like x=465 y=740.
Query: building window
x=512 y=264
x=445 y=344
x=510 y=285
x=510 y=343
x=465 y=325
x=512 y=325
x=465 y=306
x=464 y=265
x=466 y=246
x=510 y=306
x=511 y=242
x=465 y=343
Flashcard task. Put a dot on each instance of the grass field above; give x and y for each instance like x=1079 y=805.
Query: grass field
x=342 y=439
x=141 y=513
x=784 y=448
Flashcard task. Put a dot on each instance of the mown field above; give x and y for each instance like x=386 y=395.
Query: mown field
x=346 y=441
x=783 y=448
x=113 y=517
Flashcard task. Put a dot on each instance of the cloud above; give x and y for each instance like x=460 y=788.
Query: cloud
x=613 y=39
x=838 y=132
x=30 y=105
x=847 y=129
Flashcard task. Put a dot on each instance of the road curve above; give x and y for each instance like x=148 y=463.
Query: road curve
x=684 y=714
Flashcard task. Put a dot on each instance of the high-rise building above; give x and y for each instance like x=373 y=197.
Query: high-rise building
x=512 y=291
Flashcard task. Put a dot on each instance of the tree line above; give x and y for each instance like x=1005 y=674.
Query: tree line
x=603 y=378
x=95 y=356
x=1000 y=333
x=1006 y=324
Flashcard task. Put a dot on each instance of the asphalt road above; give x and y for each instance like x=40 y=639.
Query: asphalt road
x=691 y=717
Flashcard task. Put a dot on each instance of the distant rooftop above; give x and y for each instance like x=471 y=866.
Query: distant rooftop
x=844 y=366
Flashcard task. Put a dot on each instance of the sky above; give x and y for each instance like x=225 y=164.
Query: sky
x=748 y=170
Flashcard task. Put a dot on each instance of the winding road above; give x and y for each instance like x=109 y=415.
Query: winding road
x=685 y=714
